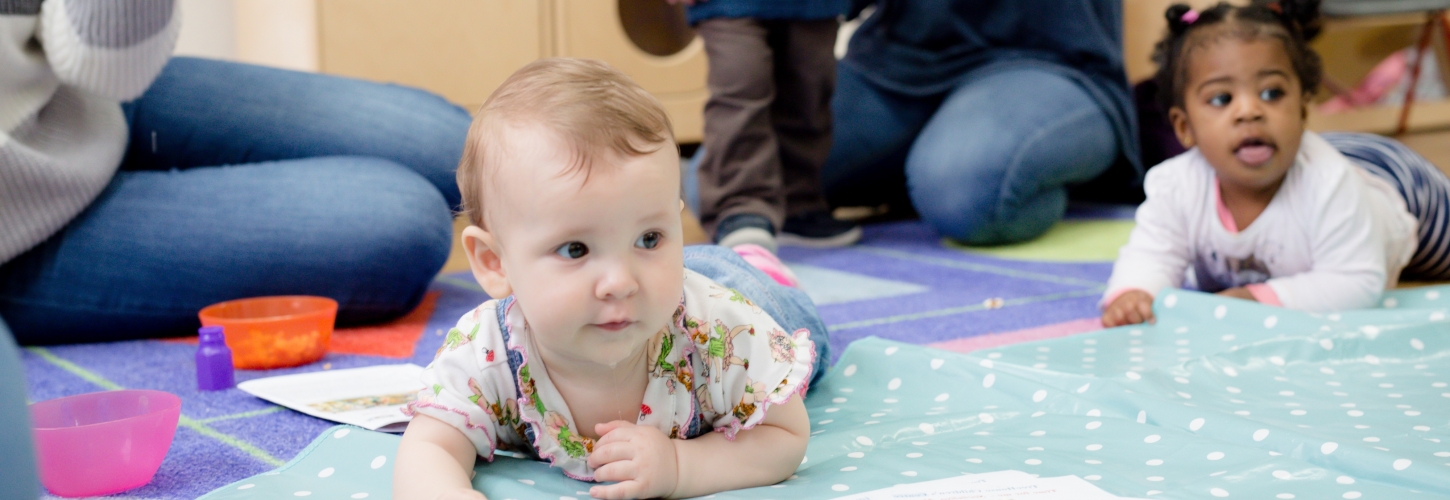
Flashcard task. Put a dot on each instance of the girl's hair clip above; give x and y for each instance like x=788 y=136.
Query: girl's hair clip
x=1189 y=17
x=1275 y=7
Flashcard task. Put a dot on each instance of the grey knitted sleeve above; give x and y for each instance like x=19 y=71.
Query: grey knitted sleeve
x=114 y=48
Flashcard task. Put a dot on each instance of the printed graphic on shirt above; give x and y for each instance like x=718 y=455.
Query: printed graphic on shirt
x=1220 y=272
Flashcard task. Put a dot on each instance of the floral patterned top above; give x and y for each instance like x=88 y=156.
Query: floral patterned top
x=718 y=366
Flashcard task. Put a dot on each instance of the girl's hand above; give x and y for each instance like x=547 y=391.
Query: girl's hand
x=1237 y=293
x=461 y=494
x=641 y=459
x=1130 y=308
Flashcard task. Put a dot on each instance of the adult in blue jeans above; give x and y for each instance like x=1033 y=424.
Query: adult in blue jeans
x=980 y=113
x=214 y=181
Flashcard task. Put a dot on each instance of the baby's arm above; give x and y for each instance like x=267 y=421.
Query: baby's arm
x=434 y=462
x=765 y=454
x=1156 y=256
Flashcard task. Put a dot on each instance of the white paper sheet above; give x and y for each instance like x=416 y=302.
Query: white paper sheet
x=370 y=397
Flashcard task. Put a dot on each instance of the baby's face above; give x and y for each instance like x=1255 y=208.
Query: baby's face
x=1244 y=109
x=597 y=266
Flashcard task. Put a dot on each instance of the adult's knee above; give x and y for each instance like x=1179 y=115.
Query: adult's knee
x=429 y=134
x=959 y=197
x=991 y=166
x=390 y=233
x=985 y=192
x=390 y=221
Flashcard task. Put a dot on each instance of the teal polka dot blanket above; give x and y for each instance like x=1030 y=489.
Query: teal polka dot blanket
x=1220 y=398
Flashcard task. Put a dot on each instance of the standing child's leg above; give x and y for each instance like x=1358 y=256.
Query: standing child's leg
x=805 y=79
x=1425 y=188
x=740 y=174
x=788 y=306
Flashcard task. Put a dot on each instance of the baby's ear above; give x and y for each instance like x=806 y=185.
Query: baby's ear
x=485 y=258
x=1181 y=128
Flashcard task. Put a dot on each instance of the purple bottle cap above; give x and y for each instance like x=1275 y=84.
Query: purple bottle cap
x=213 y=360
x=211 y=334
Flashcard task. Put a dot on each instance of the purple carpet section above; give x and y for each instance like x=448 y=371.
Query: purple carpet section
x=232 y=435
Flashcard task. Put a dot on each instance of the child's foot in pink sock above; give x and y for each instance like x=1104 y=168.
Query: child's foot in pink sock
x=767 y=262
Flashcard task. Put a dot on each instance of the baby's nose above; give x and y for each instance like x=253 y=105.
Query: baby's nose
x=617 y=283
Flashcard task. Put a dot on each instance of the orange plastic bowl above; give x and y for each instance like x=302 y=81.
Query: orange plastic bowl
x=274 y=332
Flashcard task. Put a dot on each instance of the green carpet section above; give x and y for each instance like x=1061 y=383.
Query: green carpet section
x=1089 y=240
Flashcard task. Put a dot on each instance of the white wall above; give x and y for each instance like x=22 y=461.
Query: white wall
x=280 y=33
x=208 y=29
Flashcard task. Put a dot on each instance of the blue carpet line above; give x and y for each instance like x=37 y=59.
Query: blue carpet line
x=187 y=422
x=1096 y=290
x=245 y=414
x=981 y=268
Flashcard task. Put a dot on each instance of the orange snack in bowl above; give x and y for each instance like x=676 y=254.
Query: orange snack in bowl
x=274 y=332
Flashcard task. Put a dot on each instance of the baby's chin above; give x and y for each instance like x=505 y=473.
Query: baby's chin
x=622 y=342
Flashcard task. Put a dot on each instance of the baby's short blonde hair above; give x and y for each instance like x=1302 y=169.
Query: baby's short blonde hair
x=589 y=104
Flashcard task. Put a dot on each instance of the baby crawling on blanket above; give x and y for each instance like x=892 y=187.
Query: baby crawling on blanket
x=1259 y=208
x=613 y=353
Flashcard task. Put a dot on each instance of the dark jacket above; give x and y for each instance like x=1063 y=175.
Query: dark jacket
x=925 y=47
x=803 y=10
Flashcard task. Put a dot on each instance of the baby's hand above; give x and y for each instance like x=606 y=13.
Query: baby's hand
x=1130 y=308
x=641 y=459
x=1238 y=293
x=461 y=494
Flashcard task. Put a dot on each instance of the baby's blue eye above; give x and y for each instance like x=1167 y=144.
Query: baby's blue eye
x=1271 y=95
x=1220 y=100
x=649 y=240
x=572 y=250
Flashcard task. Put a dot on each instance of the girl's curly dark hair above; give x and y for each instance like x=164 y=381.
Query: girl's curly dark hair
x=1293 y=22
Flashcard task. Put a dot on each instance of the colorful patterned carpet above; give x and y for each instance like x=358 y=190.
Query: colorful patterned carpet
x=901 y=283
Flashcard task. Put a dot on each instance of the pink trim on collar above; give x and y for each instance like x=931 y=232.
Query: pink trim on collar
x=1224 y=216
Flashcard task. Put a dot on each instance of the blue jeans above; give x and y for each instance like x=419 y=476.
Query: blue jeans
x=985 y=163
x=788 y=306
x=243 y=181
x=18 y=477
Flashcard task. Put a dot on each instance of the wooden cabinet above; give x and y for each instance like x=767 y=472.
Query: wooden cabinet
x=463 y=49
x=594 y=29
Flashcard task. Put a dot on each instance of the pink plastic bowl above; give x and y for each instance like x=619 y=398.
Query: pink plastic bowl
x=103 y=442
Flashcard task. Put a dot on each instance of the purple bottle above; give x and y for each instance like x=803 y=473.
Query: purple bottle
x=213 y=360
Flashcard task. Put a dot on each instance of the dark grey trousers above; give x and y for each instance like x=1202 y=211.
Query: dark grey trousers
x=768 y=120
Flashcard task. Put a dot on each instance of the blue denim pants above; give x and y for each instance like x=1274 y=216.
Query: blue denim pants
x=788 y=306
x=984 y=163
x=243 y=181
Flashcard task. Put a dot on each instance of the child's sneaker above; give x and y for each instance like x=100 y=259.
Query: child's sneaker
x=745 y=229
x=760 y=258
x=819 y=230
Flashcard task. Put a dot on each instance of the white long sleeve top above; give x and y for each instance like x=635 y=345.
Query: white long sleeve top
x=65 y=67
x=1334 y=237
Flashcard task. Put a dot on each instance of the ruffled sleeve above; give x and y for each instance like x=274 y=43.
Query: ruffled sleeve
x=468 y=384
x=746 y=362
